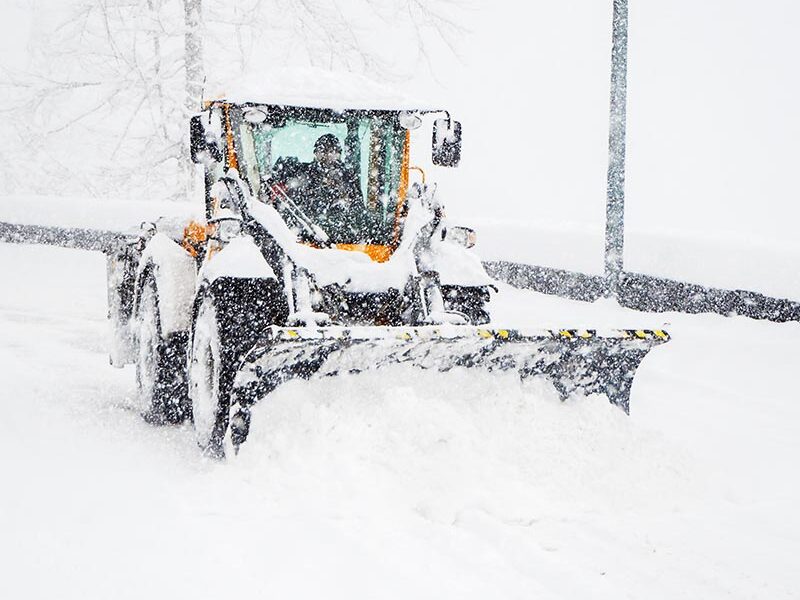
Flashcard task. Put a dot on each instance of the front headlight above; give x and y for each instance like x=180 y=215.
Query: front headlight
x=463 y=236
x=225 y=229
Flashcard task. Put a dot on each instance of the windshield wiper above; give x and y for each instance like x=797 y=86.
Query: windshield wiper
x=285 y=202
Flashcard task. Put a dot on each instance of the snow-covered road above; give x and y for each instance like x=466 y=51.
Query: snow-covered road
x=400 y=484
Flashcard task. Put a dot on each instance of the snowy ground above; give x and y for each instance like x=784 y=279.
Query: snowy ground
x=454 y=486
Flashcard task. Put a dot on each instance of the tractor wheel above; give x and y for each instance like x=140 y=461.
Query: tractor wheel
x=210 y=380
x=160 y=361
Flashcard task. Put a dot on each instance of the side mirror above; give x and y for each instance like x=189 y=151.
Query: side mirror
x=197 y=138
x=463 y=236
x=203 y=143
x=446 y=147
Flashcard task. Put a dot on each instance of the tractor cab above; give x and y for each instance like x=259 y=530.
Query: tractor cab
x=339 y=178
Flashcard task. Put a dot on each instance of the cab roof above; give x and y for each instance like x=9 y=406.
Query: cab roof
x=315 y=89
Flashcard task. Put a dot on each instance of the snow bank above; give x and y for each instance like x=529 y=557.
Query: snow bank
x=725 y=260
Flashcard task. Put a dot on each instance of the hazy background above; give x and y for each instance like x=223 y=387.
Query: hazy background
x=712 y=190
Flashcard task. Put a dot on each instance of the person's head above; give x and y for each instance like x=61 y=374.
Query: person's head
x=327 y=149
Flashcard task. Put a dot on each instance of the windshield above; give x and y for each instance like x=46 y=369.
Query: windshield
x=344 y=175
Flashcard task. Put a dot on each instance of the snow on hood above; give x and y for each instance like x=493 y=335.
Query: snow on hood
x=356 y=271
x=316 y=88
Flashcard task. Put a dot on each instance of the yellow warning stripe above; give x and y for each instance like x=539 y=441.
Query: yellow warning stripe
x=510 y=334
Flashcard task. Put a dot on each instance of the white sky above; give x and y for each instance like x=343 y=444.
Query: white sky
x=713 y=117
x=15 y=22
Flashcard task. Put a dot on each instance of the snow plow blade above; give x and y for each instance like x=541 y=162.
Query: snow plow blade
x=574 y=361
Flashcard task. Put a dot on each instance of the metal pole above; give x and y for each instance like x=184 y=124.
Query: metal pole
x=615 y=198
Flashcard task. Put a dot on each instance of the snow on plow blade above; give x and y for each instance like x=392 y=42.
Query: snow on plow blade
x=574 y=361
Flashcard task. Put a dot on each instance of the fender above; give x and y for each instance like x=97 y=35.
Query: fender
x=240 y=258
x=457 y=265
x=175 y=272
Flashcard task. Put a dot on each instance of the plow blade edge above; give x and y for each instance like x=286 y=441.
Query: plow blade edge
x=574 y=361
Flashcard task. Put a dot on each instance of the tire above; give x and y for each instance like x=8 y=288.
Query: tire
x=160 y=361
x=210 y=380
x=230 y=314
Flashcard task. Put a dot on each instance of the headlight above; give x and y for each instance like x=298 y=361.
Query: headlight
x=463 y=236
x=225 y=229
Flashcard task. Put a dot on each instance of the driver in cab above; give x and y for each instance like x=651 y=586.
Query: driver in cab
x=328 y=187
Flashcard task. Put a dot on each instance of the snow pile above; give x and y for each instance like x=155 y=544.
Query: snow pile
x=444 y=447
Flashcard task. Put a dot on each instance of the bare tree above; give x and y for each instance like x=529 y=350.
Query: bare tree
x=97 y=109
x=103 y=108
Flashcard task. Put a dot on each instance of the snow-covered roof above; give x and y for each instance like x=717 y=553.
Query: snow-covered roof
x=315 y=88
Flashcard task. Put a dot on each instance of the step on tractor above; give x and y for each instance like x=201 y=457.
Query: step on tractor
x=323 y=251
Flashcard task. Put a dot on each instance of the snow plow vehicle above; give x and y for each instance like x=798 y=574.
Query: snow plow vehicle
x=323 y=251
